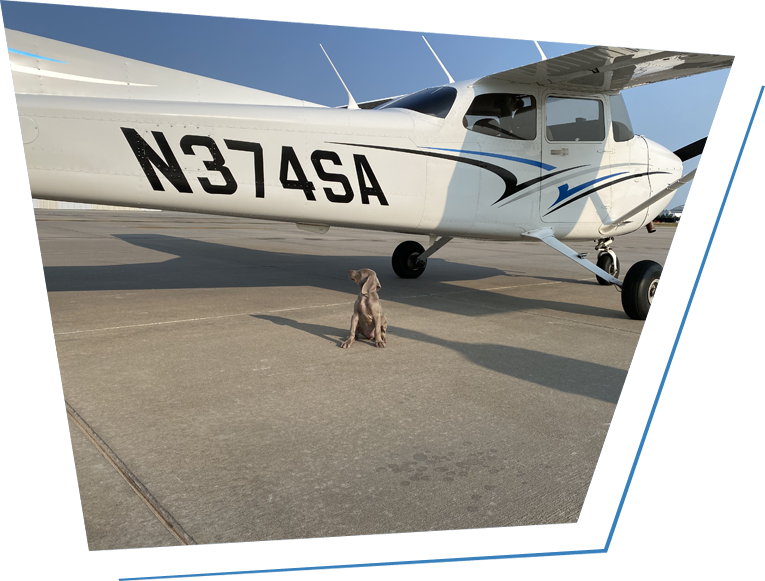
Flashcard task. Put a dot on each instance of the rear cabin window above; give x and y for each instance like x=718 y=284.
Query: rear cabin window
x=436 y=102
x=503 y=115
x=575 y=119
x=620 y=119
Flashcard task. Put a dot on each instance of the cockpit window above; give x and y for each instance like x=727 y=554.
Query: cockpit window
x=570 y=119
x=503 y=115
x=436 y=102
x=620 y=119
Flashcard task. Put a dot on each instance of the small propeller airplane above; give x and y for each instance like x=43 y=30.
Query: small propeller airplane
x=544 y=151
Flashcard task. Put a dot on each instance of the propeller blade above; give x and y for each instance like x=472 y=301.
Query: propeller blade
x=692 y=150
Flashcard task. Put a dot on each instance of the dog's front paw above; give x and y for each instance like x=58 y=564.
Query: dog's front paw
x=346 y=344
x=380 y=344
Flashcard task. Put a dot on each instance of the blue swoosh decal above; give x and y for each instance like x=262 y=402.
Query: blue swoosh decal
x=564 y=192
x=35 y=56
x=508 y=157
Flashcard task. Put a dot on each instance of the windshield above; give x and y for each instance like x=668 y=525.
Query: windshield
x=436 y=102
x=503 y=115
x=620 y=119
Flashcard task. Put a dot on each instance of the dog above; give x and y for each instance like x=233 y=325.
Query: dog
x=368 y=318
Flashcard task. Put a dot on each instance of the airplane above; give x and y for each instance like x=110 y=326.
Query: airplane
x=541 y=152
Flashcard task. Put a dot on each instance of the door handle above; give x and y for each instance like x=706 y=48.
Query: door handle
x=563 y=151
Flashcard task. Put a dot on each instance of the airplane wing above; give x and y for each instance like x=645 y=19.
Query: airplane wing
x=44 y=66
x=607 y=68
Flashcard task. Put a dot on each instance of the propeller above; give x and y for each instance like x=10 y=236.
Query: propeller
x=692 y=150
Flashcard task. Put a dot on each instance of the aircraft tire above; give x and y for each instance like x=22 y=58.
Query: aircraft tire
x=639 y=287
x=404 y=259
x=606 y=262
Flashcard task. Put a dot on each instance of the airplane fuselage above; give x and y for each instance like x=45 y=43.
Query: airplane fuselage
x=452 y=174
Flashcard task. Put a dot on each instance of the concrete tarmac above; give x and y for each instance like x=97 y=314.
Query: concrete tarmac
x=204 y=352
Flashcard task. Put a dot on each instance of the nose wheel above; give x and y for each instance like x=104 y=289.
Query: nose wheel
x=609 y=262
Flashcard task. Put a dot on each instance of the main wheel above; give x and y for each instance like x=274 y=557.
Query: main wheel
x=405 y=262
x=606 y=262
x=639 y=288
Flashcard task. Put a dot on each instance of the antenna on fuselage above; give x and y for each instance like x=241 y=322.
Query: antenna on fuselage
x=351 y=102
x=439 y=60
x=539 y=48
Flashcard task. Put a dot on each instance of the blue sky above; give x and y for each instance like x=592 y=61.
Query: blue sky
x=274 y=46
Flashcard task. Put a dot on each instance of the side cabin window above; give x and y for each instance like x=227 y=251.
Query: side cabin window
x=570 y=119
x=436 y=102
x=503 y=115
x=620 y=119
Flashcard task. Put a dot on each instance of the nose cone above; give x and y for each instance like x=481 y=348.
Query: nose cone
x=661 y=159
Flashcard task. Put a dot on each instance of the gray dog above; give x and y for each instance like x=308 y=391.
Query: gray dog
x=368 y=318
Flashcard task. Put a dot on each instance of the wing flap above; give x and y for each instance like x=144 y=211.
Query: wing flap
x=606 y=68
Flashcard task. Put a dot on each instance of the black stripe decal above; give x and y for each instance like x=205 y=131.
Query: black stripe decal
x=524 y=185
x=600 y=187
x=511 y=182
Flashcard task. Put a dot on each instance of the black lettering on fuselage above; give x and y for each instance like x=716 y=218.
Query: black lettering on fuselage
x=316 y=158
x=218 y=163
x=363 y=167
x=149 y=159
x=168 y=166
x=301 y=183
x=257 y=151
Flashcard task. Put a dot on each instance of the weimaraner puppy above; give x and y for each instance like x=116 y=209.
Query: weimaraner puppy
x=368 y=318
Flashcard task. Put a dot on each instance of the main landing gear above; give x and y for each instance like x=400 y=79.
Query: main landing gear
x=640 y=283
x=410 y=258
x=639 y=286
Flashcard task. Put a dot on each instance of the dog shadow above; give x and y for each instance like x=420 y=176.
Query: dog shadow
x=556 y=372
x=331 y=334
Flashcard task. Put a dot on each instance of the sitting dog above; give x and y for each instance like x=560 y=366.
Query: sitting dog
x=368 y=318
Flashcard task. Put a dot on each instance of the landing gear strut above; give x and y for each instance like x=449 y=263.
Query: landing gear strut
x=638 y=287
x=410 y=258
x=607 y=260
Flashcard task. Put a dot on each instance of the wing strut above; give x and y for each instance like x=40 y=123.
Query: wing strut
x=451 y=80
x=539 y=48
x=547 y=236
x=351 y=102
x=611 y=225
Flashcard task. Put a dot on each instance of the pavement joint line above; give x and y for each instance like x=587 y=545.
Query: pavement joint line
x=172 y=525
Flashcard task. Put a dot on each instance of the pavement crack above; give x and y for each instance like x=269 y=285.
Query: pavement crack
x=172 y=525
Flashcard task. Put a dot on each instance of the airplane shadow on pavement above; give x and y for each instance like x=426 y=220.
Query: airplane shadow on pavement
x=202 y=264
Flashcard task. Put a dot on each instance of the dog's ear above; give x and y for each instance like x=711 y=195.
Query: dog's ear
x=371 y=285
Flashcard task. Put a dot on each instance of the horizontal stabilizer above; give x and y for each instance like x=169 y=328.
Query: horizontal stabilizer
x=49 y=67
x=608 y=68
x=612 y=225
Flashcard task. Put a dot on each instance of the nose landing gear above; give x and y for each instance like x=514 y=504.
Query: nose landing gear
x=607 y=260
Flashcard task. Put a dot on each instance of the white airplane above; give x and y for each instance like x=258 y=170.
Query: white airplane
x=544 y=151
